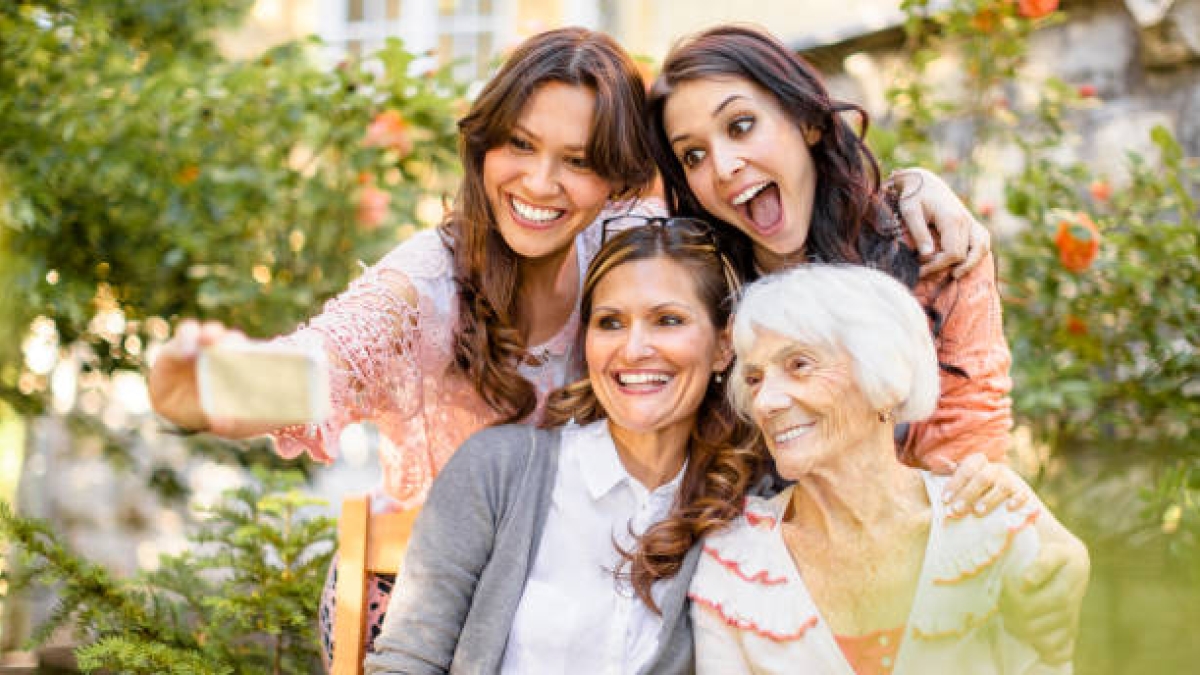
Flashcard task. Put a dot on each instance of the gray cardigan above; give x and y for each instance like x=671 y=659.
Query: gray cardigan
x=469 y=555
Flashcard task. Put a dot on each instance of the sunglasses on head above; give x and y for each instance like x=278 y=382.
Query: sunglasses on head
x=686 y=226
x=689 y=228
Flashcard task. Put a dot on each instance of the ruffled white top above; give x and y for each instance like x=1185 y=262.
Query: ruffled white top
x=753 y=614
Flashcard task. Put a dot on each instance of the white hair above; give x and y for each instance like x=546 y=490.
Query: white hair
x=870 y=315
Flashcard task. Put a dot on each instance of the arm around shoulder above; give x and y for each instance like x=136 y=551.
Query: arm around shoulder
x=974 y=412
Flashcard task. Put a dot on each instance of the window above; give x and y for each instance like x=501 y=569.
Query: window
x=465 y=32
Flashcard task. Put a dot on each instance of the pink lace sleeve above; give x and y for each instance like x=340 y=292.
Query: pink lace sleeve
x=370 y=334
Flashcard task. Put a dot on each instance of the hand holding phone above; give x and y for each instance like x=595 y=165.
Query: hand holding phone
x=263 y=382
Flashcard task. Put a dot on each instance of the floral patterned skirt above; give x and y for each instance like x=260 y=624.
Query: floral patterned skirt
x=379 y=590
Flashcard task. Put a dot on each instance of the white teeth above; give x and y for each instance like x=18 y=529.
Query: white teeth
x=534 y=213
x=643 y=378
x=794 y=432
x=749 y=193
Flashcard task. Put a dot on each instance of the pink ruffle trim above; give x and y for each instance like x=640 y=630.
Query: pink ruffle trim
x=970 y=622
x=761 y=577
x=747 y=624
x=1008 y=540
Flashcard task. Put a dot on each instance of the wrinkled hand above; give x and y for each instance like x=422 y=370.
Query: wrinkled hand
x=172 y=381
x=978 y=485
x=1041 y=607
x=924 y=199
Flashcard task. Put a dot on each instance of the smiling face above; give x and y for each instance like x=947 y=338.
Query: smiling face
x=540 y=186
x=651 y=347
x=745 y=160
x=807 y=402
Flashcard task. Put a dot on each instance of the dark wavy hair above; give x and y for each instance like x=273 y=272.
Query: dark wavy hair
x=722 y=461
x=851 y=220
x=488 y=345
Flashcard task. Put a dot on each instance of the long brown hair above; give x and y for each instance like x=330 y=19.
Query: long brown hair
x=488 y=346
x=722 y=462
x=850 y=220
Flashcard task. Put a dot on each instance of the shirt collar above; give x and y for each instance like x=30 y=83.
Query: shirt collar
x=601 y=465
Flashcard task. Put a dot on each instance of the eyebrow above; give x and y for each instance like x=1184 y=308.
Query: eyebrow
x=657 y=308
x=779 y=354
x=517 y=126
x=716 y=111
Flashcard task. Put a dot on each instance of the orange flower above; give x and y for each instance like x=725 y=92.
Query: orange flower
x=1076 y=325
x=1087 y=91
x=372 y=207
x=389 y=130
x=987 y=209
x=647 y=70
x=1078 y=241
x=187 y=175
x=1101 y=190
x=1036 y=9
x=985 y=21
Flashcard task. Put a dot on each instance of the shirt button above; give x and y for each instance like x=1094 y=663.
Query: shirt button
x=887 y=662
x=883 y=640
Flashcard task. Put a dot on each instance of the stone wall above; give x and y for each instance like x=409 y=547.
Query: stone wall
x=1141 y=56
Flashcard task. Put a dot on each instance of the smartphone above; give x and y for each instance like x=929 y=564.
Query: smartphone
x=262 y=382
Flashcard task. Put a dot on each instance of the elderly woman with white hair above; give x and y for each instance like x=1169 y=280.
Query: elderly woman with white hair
x=858 y=567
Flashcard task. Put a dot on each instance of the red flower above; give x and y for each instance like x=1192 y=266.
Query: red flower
x=389 y=130
x=1101 y=190
x=987 y=209
x=372 y=207
x=1087 y=90
x=1076 y=325
x=1078 y=242
x=1036 y=9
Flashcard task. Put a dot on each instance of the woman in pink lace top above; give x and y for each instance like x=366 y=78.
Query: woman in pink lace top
x=472 y=324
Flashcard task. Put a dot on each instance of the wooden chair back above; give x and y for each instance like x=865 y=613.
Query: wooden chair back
x=367 y=544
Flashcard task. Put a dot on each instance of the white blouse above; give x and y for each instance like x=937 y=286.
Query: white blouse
x=574 y=615
x=752 y=613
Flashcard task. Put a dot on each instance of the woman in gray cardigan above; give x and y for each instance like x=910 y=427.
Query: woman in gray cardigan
x=518 y=561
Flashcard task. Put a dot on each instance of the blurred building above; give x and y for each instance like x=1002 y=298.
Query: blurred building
x=475 y=32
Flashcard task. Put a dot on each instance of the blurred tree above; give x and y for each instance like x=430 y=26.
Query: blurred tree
x=144 y=177
x=242 y=602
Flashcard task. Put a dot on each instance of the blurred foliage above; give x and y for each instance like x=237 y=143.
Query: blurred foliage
x=1102 y=283
x=142 y=175
x=242 y=600
x=1101 y=287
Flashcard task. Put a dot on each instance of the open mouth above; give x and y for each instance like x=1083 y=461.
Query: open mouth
x=642 y=382
x=761 y=206
x=534 y=216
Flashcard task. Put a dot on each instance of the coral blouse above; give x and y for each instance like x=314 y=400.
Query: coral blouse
x=391 y=361
x=752 y=613
x=974 y=412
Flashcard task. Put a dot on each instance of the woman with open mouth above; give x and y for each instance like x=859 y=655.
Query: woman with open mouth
x=473 y=323
x=747 y=136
